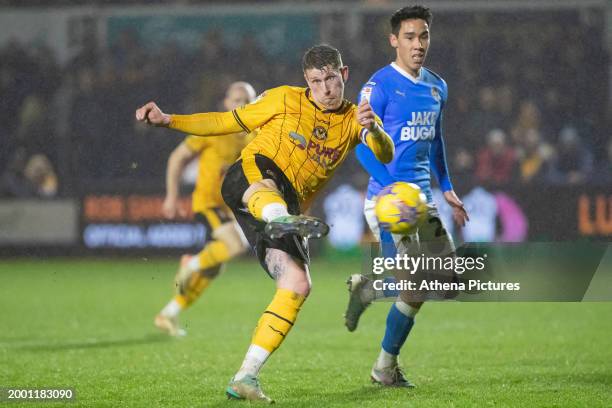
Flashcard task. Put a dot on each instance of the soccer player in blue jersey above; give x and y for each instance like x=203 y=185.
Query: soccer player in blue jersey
x=409 y=99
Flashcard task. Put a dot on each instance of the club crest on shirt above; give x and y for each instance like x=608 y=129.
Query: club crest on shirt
x=319 y=133
x=436 y=94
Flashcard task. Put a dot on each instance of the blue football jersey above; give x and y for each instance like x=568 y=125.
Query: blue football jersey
x=411 y=111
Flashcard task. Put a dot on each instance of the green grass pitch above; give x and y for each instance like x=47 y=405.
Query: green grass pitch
x=87 y=324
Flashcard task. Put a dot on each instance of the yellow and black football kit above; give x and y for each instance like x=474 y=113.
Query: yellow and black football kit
x=298 y=145
x=217 y=154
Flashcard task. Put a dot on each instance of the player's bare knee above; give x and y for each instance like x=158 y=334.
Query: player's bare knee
x=288 y=273
x=302 y=288
x=297 y=281
x=303 y=283
x=306 y=275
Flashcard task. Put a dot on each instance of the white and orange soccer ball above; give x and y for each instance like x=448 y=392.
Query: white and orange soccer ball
x=401 y=207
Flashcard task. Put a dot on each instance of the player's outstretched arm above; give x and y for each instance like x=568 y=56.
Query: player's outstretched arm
x=199 y=124
x=376 y=138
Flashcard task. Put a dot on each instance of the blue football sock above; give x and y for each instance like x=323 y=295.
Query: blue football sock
x=388 y=250
x=398 y=328
x=387 y=244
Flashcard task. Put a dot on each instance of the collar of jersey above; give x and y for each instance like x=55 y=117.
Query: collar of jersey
x=337 y=110
x=406 y=74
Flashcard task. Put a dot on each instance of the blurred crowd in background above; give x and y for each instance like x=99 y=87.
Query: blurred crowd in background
x=528 y=100
x=38 y=3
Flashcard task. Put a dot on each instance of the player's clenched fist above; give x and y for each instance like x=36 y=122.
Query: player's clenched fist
x=151 y=114
x=365 y=115
x=172 y=208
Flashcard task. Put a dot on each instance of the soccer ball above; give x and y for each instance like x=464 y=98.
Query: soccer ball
x=401 y=207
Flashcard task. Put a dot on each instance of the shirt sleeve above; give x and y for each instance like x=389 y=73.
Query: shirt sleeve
x=437 y=154
x=260 y=111
x=206 y=124
x=376 y=96
x=245 y=118
x=375 y=169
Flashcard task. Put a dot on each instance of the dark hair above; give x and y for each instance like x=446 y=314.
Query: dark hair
x=321 y=56
x=409 y=13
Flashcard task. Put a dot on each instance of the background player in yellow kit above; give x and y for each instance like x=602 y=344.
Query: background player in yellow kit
x=303 y=135
x=224 y=237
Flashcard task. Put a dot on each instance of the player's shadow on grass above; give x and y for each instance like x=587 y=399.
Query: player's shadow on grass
x=302 y=397
x=8 y=339
x=95 y=343
x=365 y=393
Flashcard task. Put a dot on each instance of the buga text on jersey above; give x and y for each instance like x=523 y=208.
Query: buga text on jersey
x=422 y=126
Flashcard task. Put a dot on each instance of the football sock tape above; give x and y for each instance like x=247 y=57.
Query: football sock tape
x=262 y=198
x=276 y=322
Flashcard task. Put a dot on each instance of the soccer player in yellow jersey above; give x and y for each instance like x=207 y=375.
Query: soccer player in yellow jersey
x=303 y=135
x=224 y=237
